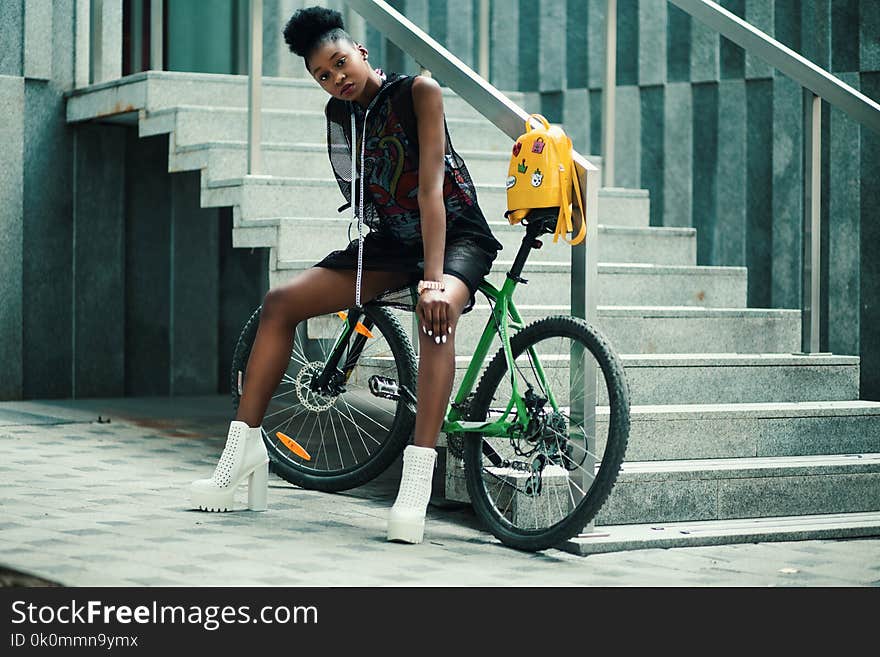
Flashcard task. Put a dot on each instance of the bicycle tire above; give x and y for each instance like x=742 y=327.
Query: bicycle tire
x=392 y=444
x=615 y=446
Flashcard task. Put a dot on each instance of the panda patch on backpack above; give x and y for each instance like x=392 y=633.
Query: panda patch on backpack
x=537 y=178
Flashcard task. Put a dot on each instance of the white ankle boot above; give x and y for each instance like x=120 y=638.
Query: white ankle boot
x=244 y=457
x=406 y=521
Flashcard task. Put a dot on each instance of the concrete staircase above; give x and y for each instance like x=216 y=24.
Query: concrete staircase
x=735 y=437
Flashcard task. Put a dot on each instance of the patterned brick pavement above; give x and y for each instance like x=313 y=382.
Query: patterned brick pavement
x=104 y=503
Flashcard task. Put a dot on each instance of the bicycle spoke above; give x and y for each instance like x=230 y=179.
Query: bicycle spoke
x=360 y=412
x=355 y=425
x=381 y=408
x=344 y=424
x=289 y=420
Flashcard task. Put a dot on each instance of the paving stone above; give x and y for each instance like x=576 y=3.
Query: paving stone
x=338 y=538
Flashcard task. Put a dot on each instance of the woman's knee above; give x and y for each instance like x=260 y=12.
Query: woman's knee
x=277 y=303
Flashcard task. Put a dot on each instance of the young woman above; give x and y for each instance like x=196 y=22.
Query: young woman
x=415 y=194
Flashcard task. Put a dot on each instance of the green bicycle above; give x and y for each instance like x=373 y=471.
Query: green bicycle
x=540 y=440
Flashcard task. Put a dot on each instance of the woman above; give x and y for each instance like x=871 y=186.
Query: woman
x=418 y=200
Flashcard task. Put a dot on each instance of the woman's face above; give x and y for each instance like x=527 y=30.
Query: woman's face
x=340 y=68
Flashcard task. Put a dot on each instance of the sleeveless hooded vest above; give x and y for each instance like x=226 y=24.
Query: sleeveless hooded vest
x=391 y=165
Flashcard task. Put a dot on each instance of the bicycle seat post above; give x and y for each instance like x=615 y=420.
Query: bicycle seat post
x=539 y=221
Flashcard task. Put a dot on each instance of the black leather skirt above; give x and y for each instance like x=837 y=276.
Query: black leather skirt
x=466 y=258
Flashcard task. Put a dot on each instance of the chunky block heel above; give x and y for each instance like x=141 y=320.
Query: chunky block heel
x=258 y=487
x=243 y=457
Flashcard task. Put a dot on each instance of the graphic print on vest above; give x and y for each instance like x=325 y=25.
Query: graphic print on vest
x=392 y=178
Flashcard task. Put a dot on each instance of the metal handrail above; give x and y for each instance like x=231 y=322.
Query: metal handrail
x=820 y=83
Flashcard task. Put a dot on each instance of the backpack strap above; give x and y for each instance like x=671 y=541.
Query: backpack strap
x=569 y=179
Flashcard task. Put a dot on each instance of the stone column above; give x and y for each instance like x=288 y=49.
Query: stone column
x=729 y=230
x=11 y=251
x=106 y=45
x=844 y=209
x=678 y=163
x=788 y=199
x=38 y=39
x=652 y=42
x=194 y=284
x=99 y=261
x=869 y=264
x=503 y=57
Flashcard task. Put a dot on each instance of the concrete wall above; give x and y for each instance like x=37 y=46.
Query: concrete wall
x=113 y=281
x=716 y=136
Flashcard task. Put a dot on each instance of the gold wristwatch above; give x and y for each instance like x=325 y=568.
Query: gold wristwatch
x=430 y=285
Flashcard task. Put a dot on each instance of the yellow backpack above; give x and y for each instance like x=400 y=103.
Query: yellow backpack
x=541 y=175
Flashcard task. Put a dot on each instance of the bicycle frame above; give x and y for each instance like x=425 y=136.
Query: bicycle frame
x=504 y=317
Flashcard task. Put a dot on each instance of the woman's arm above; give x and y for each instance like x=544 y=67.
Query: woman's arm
x=428 y=103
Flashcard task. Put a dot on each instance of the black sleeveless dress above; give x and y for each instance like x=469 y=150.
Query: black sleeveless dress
x=390 y=209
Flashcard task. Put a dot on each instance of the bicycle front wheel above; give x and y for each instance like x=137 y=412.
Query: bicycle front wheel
x=350 y=436
x=543 y=483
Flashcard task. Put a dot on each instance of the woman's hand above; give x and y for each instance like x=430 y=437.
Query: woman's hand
x=433 y=311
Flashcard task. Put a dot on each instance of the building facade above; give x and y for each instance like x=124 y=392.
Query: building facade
x=116 y=282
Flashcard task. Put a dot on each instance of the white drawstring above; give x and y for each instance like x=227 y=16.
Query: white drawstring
x=357 y=208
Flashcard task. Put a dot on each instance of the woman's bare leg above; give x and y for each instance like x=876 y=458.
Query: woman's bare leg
x=437 y=369
x=317 y=291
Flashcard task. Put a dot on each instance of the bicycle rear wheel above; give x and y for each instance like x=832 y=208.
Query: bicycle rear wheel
x=352 y=436
x=541 y=485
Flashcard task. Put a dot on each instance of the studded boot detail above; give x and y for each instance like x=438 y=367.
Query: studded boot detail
x=243 y=457
x=406 y=520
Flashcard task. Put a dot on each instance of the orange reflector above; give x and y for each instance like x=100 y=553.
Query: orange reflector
x=363 y=330
x=293 y=446
x=359 y=327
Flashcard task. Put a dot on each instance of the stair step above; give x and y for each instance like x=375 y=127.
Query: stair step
x=273 y=196
x=739 y=378
x=711 y=378
x=158 y=90
x=735 y=431
x=720 y=378
x=668 y=491
x=228 y=159
x=726 y=489
x=616 y=538
x=675 y=329
x=193 y=125
x=619 y=284
x=312 y=238
x=631 y=284
x=706 y=431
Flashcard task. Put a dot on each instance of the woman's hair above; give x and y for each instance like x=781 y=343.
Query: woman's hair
x=312 y=27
